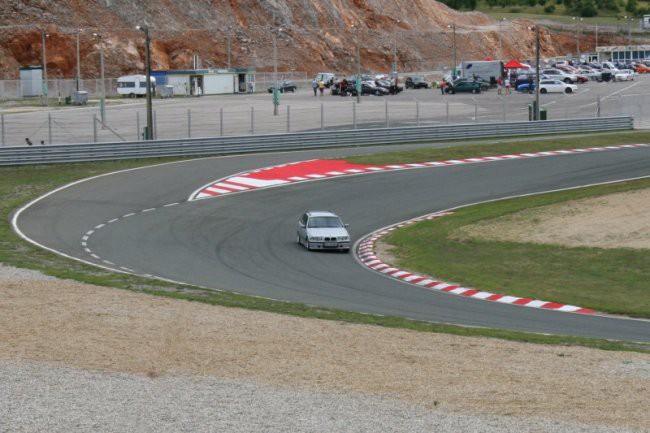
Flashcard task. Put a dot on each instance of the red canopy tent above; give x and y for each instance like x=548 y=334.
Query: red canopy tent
x=514 y=64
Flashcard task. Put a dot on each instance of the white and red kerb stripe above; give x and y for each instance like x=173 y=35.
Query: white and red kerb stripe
x=320 y=169
x=367 y=256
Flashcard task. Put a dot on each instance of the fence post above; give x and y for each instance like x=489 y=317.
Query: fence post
x=417 y=113
x=322 y=116
x=137 y=126
x=386 y=108
x=94 y=128
x=598 y=106
x=447 y=108
x=155 y=125
x=354 y=114
x=475 y=111
x=189 y=123
x=49 y=128
x=2 y=122
x=221 y=121
x=288 y=118
x=252 y=120
x=503 y=108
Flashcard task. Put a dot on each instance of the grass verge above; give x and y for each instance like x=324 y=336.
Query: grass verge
x=21 y=184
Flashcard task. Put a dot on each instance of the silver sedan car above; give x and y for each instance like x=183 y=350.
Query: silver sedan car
x=323 y=230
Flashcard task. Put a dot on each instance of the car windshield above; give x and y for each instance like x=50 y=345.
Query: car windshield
x=324 y=222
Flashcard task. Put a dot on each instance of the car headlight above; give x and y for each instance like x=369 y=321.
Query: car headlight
x=344 y=238
x=315 y=238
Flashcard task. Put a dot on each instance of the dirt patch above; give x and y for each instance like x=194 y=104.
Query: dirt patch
x=83 y=326
x=612 y=221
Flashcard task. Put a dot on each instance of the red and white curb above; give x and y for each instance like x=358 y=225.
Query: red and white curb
x=320 y=169
x=367 y=256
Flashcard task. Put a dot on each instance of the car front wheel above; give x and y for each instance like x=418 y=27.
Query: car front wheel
x=567 y=80
x=568 y=90
x=542 y=90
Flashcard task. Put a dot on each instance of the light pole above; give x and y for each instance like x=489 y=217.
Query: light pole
x=357 y=82
x=578 y=20
x=229 y=36
x=44 y=50
x=501 y=38
x=276 y=90
x=537 y=72
x=453 y=42
x=78 y=77
x=394 y=69
x=147 y=50
x=102 y=101
x=629 y=34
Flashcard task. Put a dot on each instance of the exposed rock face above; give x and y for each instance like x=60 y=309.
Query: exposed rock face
x=315 y=35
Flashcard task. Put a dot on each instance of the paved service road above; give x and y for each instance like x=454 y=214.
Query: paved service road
x=246 y=242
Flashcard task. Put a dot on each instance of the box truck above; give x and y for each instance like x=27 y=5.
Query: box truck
x=488 y=70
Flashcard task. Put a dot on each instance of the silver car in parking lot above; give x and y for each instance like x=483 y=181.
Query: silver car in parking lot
x=323 y=230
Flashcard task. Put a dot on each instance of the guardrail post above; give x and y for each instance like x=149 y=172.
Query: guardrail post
x=189 y=123
x=354 y=114
x=322 y=116
x=386 y=109
x=49 y=128
x=138 y=133
x=417 y=113
x=447 y=108
x=221 y=121
x=94 y=128
x=288 y=118
x=598 y=106
x=2 y=124
x=252 y=120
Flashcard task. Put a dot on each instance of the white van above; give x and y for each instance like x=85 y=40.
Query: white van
x=326 y=77
x=134 y=85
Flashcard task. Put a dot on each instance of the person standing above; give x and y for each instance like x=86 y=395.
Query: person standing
x=499 y=85
x=321 y=87
x=507 y=84
x=314 y=86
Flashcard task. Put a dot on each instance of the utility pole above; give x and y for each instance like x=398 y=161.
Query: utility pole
x=276 y=90
x=229 y=36
x=578 y=20
x=357 y=82
x=394 y=69
x=537 y=72
x=44 y=52
x=102 y=101
x=147 y=43
x=78 y=77
x=453 y=27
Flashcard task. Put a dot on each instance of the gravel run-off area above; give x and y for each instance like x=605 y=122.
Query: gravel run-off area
x=81 y=358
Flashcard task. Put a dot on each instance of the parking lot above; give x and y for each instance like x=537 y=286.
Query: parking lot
x=243 y=114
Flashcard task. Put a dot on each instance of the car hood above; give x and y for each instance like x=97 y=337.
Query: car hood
x=327 y=231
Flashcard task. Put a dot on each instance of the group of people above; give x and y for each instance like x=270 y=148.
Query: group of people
x=318 y=86
x=29 y=142
x=503 y=82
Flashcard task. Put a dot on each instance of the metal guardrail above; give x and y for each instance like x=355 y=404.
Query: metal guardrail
x=50 y=154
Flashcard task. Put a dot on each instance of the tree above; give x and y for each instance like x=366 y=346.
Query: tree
x=631 y=6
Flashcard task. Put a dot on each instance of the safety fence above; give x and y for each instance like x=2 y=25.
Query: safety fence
x=302 y=141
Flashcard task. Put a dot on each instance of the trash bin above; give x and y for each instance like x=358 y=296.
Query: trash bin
x=542 y=113
x=80 y=97
x=166 y=91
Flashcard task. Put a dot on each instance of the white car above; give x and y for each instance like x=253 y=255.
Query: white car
x=556 y=86
x=557 y=74
x=624 y=75
x=323 y=230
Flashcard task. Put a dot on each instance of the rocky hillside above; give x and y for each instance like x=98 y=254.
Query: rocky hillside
x=312 y=35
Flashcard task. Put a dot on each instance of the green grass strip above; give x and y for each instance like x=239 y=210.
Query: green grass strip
x=20 y=185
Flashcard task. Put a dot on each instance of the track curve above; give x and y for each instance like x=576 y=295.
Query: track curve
x=245 y=242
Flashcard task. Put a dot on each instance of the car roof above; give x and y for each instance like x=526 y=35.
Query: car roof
x=320 y=213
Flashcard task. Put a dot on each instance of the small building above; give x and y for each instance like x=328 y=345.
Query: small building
x=31 y=81
x=207 y=81
x=622 y=53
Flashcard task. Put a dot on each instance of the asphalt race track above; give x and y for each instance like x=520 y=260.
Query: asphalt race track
x=246 y=242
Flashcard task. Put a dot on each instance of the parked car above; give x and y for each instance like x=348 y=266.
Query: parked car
x=367 y=88
x=284 y=86
x=386 y=85
x=557 y=74
x=556 y=86
x=641 y=68
x=463 y=87
x=322 y=230
x=416 y=82
x=624 y=75
x=481 y=82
